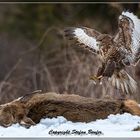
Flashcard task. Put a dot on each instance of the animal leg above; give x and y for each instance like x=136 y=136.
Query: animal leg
x=27 y=122
x=109 y=69
x=98 y=77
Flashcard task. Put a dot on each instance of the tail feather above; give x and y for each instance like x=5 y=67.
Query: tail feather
x=124 y=82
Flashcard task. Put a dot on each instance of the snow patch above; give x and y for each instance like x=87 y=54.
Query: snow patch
x=114 y=126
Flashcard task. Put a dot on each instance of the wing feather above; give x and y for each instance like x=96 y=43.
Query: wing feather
x=84 y=36
x=135 y=36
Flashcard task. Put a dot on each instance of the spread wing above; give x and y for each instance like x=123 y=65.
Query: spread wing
x=88 y=38
x=129 y=36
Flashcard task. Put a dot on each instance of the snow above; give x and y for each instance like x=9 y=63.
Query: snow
x=114 y=126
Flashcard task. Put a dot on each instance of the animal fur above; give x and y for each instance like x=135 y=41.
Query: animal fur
x=28 y=110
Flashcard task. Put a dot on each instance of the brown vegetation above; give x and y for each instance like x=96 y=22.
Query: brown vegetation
x=29 y=109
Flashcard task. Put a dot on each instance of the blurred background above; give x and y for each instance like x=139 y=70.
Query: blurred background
x=34 y=54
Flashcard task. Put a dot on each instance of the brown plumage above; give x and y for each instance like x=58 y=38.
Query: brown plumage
x=116 y=52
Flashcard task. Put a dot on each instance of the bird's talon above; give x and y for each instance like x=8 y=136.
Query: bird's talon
x=100 y=83
x=99 y=77
x=95 y=78
x=94 y=82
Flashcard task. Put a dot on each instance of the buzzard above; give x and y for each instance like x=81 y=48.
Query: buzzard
x=115 y=52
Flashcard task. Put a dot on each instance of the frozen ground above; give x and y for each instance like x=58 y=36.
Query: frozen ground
x=114 y=126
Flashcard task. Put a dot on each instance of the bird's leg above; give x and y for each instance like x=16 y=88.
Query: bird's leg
x=99 y=76
x=95 y=77
x=109 y=68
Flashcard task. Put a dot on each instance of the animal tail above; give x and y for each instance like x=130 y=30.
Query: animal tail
x=124 y=82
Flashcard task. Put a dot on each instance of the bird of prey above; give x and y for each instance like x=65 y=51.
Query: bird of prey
x=115 y=52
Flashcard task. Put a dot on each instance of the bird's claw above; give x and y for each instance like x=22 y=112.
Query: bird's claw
x=96 y=78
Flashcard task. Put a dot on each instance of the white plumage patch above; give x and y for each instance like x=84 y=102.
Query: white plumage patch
x=135 y=33
x=86 y=39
